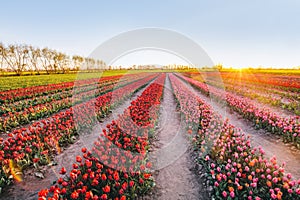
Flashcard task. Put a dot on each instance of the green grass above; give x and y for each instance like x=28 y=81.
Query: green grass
x=9 y=81
x=13 y=82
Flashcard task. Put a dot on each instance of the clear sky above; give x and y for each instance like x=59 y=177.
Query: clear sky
x=235 y=33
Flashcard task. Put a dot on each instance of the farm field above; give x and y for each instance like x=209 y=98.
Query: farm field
x=13 y=82
x=151 y=134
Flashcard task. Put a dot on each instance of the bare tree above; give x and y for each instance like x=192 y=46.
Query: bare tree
x=90 y=63
x=59 y=61
x=20 y=58
x=2 y=62
x=6 y=56
x=34 y=57
x=47 y=59
x=78 y=61
x=15 y=57
x=100 y=64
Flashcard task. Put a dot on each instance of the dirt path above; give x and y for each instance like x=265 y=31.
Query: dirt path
x=31 y=185
x=174 y=169
x=270 y=143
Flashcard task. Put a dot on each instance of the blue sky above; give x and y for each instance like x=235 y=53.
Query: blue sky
x=235 y=33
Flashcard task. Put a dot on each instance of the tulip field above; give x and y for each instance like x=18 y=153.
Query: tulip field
x=47 y=120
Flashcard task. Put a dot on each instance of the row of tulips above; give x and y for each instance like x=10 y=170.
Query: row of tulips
x=46 y=96
x=265 y=89
x=27 y=115
x=286 y=100
x=41 y=90
x=234 y=168
x=256 y=81
x=9 y=96
x=253 y=89
x=117 y=166
x=279 y=81
x=287 y=127
x=42 y=140
x=42 y=99
x=284 y=82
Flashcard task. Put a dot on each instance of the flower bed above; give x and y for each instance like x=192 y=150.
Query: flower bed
x=42 y=140
x=117 y=166
x=234 y=168
x=26 y=115
x=288 y=128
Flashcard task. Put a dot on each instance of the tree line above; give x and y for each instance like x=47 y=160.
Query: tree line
x=26 y=58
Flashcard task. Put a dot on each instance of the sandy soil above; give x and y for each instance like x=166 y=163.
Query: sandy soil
x=175 y=173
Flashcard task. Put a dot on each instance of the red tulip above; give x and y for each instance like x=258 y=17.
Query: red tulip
x=106 y=189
